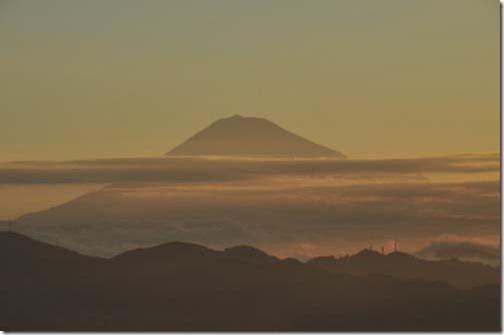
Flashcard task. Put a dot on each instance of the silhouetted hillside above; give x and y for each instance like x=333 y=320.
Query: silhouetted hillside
x=250 y=136
x=400 y=265
x=186 y=287
x=19 y=250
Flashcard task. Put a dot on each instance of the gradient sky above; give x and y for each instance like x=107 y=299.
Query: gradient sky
x=84 y=79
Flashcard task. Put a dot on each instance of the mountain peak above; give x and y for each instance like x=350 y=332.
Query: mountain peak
x=368 y=254
x=250 y=136
x=165 y=251
x=249 y=253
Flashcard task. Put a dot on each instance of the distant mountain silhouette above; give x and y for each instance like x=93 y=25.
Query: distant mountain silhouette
x=185 y=287
x=400 y=265
x=250 y=136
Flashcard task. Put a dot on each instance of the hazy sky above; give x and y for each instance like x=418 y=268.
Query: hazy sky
x=111 y=78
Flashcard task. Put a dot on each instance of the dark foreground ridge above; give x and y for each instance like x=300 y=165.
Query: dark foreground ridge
x=186 y=287
x=401 y=265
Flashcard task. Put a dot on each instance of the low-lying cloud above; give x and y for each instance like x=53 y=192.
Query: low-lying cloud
x=461 y=250
x=193 y=169
x=285 y=206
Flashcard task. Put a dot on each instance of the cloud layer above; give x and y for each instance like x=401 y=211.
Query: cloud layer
x=193 y=169
x=462 y=250
x=302 y=207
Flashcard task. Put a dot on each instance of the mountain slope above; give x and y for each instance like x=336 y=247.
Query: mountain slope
x=17 y=249
x=250 y=136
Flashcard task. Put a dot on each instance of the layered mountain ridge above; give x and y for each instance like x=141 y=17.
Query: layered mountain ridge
x=179 y=286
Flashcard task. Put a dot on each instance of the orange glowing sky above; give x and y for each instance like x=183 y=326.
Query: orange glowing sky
x=86 y=79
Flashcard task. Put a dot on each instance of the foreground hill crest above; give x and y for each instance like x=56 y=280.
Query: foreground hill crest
x=250 y=136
